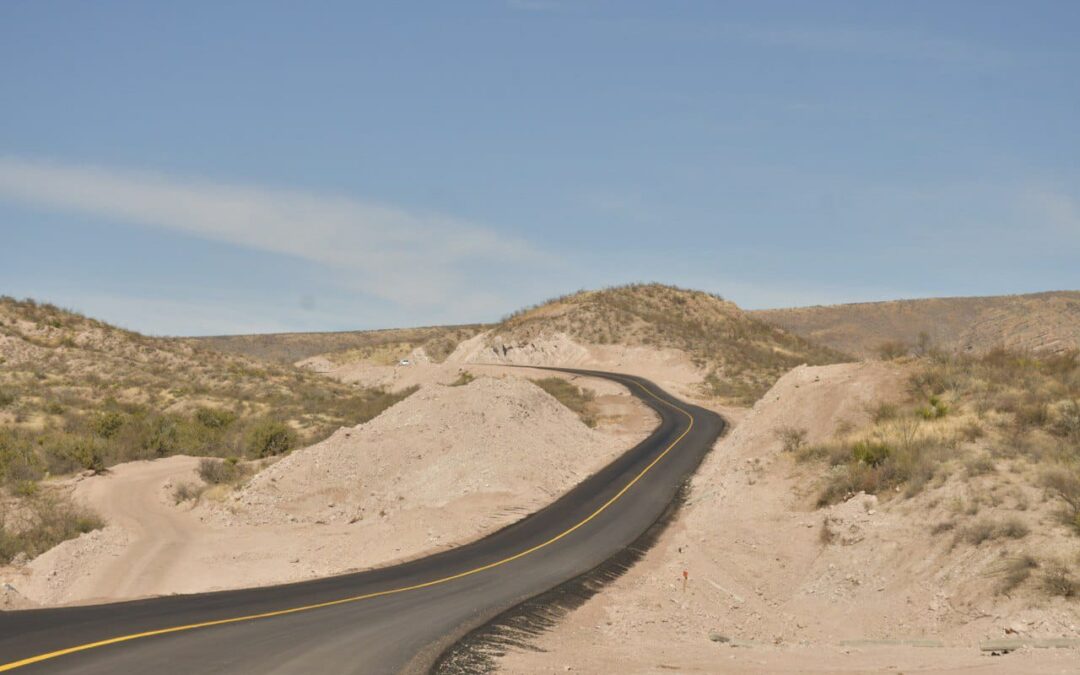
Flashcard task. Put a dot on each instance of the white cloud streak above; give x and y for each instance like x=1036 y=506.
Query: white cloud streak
x=404 y=256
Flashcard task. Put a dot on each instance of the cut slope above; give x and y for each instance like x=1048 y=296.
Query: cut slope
x=1040 y=321
x=737 y=355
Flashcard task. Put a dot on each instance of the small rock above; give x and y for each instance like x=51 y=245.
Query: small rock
x=717 y=637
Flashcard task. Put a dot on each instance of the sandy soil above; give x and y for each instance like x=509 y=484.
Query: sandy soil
x=760 y=575
x=445 y=466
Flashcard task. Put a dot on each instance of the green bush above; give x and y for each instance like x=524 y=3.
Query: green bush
x=107 y=424
x=219 y=471
x=871 y=453
x=6 y=398
x=270 y=437
x=161 y=436
x=214 y=418
x=934 y=409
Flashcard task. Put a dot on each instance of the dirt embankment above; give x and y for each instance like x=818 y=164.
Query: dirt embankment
x=766 y=593
x=447 y=465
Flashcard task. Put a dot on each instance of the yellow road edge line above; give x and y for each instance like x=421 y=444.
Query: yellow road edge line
x=367 y=596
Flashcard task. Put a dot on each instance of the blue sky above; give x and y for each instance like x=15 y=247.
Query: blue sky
x=192 y=168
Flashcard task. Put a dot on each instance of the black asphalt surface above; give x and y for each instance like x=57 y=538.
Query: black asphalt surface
x=403 y=631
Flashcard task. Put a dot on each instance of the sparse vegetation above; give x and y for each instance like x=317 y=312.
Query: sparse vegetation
x=791 y=438
x=741 y=355
x=974 y=411
x=986 y=530
x=1014 y=572
x=463 y=378
x=577 y=399
x=39 y=522
x=1058 y=579
x=220 y=471
x=185 y=492
x=80 y=395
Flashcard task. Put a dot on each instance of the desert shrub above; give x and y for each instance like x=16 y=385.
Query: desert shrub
x=18 y=458
x=44 y=521
x=1058 y=579
x=1014 y=528
x=1067 y=420
x=884 y=412
x=107 y=424
x=986 y=530
x=161 y=436
x=270 y=437
x=980 y=531
x=1014 y=572
x=892 y=349
x=935 y=408
x=6 y=397
x=943 y=526
x=1064 y=483
x=979 y=466
x=462 y=379
x=220 y=471
x=871 y=453
x=971 y=431
x=791 y=438
x=214 y=418
x=570 y=395
x=72 y=452
x=184 y=492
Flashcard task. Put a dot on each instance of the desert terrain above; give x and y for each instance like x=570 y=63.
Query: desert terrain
x=892 y=513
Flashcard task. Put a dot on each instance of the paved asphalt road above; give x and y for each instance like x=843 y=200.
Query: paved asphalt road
x=396 y=619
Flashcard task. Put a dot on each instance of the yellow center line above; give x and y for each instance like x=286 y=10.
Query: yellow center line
x=293 y=610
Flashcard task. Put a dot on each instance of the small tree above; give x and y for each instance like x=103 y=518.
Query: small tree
x=269 y=438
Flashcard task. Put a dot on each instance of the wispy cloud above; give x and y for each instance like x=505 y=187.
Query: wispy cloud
x=397 y=254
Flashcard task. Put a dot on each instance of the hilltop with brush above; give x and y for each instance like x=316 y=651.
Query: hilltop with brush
x=1040 y=322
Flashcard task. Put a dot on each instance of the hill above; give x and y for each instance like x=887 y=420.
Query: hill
x=78 y=393
x=377 y=345
x=737 y=356
x=1048 y=322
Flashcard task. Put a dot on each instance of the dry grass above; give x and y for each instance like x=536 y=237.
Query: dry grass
x=577 y=399
x=1016 y=405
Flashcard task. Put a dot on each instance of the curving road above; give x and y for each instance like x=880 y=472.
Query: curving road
x=389 y=620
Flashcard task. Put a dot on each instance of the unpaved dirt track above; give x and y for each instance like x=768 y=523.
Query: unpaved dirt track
x=385 y=620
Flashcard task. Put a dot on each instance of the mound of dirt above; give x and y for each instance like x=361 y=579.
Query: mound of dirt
x=440 y=447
